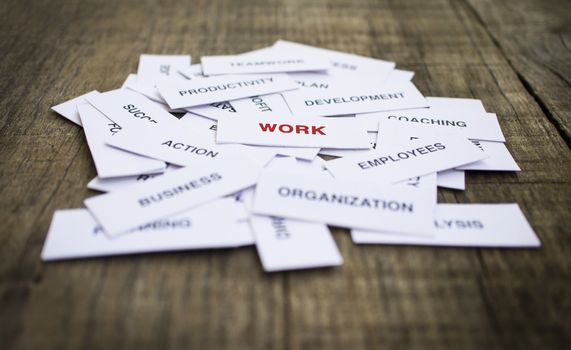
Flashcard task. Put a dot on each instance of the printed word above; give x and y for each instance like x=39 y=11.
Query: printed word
x=188 y=186
x=335 y=100
x=264 y=63
x=298 y=129
x=402 y=155
x=137 y=113
x=280 y=227
x=459 y=224
x=156 y=225
x=227 y=86
x=189 y=148
x=355 y=201
x=259 y=102
x=441 y=122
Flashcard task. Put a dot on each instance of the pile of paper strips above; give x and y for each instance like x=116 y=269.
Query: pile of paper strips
x=241 y=166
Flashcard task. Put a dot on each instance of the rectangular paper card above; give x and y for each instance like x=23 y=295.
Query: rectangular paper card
x=336 y=152
x=130 y=79
x=293 y=132
x=452 y=178
x=344 y=64
x=214 y=110
x=200 y=124
x=446 y=109
x=68 y=109
x=192 y=71
x=450 y=106
x=181 y=145
x=400 y=75
x=150 y=92
x=499 y=159
x=203 y=91
x=285 y=244
x=117 y=183
x=127 y=107
x=426 y=184
x=399 y=161
x=466 y=225
x=109 y=161
x=170 y=194
x=261 y=63
x=153 y=68
x=362 y=99
x=473 y=126
x=146 y=89
x=343 y=203
x=74 y=233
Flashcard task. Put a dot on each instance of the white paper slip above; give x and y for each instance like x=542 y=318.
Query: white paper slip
x=399 y=75
x=284 y=244
x=316 y=165
x=393 y=132
x=371 y=136
x=181 y=146
x=466 y=225
x=130 y=78
x=358 y=99
x=68 y=109
x=74 y=233
x=472 y=126
x=130 y=108
x=293 y=132
x=498 y=156
x=447 y=111
x=452 y=178
x=109 y=161
x=451 y=106
x=214 y=110
x=315 y=168
x=192 y=71
x=393 y=162
x=146 y=89
x=198 y=92
x=201 y=124
x=261 y=63
x=426 y=183
x=344 y=64
x=499 y=159
x=425 y=187
x=117 y=183
x=272 y=105
x=150 y=92
x=342 y=203
x=154 y=68
x=170 y=194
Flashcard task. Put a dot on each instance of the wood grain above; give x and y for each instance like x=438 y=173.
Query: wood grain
x=514 y=55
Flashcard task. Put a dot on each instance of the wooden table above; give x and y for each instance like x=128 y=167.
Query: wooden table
x=514 y=55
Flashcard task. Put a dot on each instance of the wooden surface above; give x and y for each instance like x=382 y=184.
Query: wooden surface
x=514 y=55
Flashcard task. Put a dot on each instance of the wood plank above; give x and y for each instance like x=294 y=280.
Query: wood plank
x=383 y=296
x=536 y=39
